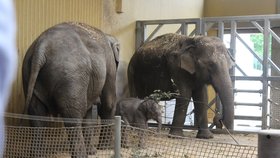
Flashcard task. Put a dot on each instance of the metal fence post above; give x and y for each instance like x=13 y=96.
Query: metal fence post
x=140 y=34
x=117 y=149
x=266 y=46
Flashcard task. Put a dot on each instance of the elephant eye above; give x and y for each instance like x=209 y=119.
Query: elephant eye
x=212 y=66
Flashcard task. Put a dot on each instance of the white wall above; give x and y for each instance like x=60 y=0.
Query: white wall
x=123 y=25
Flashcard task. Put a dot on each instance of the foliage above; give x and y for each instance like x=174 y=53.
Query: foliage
x=258 y=40
x=158 y=95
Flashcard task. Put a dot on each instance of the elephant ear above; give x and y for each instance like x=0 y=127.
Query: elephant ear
x=115 y=46
x=187 y=61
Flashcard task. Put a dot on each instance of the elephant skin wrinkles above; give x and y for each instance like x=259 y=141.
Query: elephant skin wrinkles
x=192 y=63
x=65 y=70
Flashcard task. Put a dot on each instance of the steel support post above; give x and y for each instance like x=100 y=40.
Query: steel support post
x=184 y=29
x=221 y=30
x=265 y=72
x=140 y=34
x=117 y=147
x=233 y=28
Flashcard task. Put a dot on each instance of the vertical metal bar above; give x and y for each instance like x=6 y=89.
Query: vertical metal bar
x=184 y=30
x=117 y=148
x=203 y=27
x=140 y=34
x=219 y=107
x=266 y=35
x=198 y=29
x=233 y=37
x=233 y=28
x=206 y=26
x=221 y=30
x=233 y=31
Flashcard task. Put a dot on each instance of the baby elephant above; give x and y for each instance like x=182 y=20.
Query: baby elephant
x=137 y=112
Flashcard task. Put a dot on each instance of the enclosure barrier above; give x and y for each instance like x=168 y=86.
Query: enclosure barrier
x=267 y=25
x=134 y=142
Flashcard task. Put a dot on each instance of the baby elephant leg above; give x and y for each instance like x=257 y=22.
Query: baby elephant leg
x=142 y=132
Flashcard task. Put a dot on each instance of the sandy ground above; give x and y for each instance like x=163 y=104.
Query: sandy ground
x=246 y=138
x=163 y=146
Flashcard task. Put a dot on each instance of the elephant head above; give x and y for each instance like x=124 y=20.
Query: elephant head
x=152 y=110
x=208 y=60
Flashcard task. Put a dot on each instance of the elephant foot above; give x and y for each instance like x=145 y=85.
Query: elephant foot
x=176 y=132
x=204 y=134
x=217 y=121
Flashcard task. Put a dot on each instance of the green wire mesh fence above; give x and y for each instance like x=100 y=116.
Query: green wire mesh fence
x=99 y=140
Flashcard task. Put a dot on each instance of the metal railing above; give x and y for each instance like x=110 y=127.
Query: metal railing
x=234 y=26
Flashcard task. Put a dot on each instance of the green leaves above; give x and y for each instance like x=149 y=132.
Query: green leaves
x=158 y=95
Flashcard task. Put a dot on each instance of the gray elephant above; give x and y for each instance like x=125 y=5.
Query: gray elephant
x=65 y=70
x=136 y=112
x=121 y=81
x=191 y=63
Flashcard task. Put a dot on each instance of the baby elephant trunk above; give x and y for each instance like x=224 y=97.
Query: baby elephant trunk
x=159 y=121
x=157 y=117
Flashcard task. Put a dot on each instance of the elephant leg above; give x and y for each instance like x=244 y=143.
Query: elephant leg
x=75 y=137
x=106 y=111
x=74 y=129
x=200 y=98
x=71 y=101
x=88 y=133
x=142 y=134
x=37 y=142
x=106 y=132
x=179 y=116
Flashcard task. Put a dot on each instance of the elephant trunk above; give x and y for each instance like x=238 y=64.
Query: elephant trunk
x=223 y=86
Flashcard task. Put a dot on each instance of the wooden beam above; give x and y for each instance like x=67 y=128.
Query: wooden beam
x=119 y=6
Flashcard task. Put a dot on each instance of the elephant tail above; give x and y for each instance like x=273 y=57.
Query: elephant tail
x=38 y=60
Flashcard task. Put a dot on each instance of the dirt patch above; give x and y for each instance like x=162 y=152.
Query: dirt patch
x=250 y=139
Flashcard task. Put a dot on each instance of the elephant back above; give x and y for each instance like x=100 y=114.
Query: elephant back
x=148 y=69
x=163 y=44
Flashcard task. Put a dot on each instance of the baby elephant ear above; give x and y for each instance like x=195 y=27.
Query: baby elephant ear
x=187 y=63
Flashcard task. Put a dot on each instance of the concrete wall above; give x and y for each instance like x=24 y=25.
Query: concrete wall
x=122 y=25
x=214 y=8
x=35 y=16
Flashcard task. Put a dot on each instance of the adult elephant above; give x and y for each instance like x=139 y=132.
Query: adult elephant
x=65 y=70
x=191 y=63
x=122 y=81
